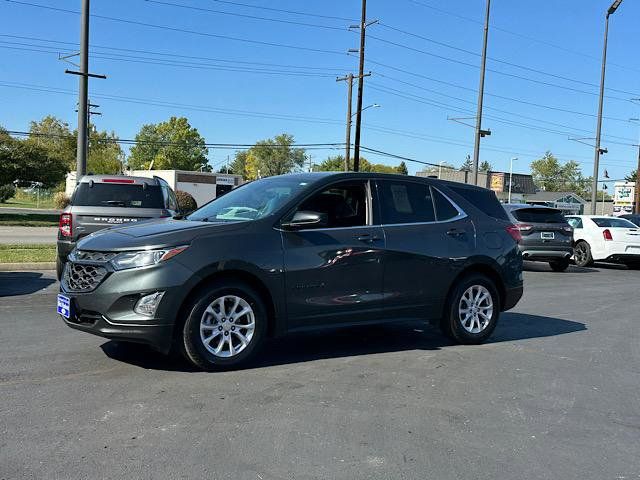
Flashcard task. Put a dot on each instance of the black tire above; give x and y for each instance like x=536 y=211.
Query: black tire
x=582 y=254
x=559 y=265
x=452 y=324
x=193 y=345
x=59 y=268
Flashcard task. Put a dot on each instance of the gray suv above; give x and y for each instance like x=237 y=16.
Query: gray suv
x=101 y=201
x=546 y=234
x=298 y=253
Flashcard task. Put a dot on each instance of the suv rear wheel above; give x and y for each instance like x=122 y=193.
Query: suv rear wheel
x=472 y=310
x=225 y=327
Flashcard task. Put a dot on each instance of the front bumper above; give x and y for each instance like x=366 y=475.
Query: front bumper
x=512 y=297
x=108 y=311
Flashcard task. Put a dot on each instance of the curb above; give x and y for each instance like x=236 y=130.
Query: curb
x=22 y=267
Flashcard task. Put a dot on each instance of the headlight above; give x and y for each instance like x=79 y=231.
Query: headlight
x=144 y=258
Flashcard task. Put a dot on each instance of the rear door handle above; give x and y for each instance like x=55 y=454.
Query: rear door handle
x=455 y=232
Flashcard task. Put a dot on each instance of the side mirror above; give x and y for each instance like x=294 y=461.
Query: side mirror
x=304 y=219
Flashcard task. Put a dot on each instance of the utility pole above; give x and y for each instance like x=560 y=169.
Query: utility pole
x=349 y=79
x=598 y=151
x=363 y=27
x=83 y=92
x=479 y=132
x=636 y=196
x=347 y=151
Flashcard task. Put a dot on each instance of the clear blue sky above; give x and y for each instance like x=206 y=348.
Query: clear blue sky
x=236 y=79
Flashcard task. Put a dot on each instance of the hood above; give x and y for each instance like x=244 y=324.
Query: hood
x=153 y=234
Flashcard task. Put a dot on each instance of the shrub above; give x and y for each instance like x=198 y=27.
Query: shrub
x=6 y=192
x=186 y=202
x=60 y=200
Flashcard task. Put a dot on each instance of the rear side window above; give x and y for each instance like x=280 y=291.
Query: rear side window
x=444 y=209
x=484 y=200
x=118 y=195
x=538 y=215
x=613 y=223
x=406 y=202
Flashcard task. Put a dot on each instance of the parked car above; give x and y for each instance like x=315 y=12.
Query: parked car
x=296 y=253
x=101 y=201
x=608 y=239
x=635 y=219
x=546 y=235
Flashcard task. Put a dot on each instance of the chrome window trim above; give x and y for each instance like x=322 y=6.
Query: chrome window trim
x=461 y=215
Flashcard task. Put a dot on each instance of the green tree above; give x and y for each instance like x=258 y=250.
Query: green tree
x=105 y=155
x=277 y=156
x=632 y=176
x=336 y=164
x=173 y=144
x=550 y=175
x=402 y=169
x=467 y=165
x=24 y=161
x=485 y=166
x=435 y=169
x=54 y=135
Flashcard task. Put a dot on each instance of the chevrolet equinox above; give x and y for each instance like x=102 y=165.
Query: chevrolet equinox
x=297 y=253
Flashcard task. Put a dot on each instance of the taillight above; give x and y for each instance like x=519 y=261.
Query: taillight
x=607 y=235
x=65 y=226
x=524 y=227
x=514 y=231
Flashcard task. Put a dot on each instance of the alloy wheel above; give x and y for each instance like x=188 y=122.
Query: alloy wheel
x=475 y=310
x=227 y=326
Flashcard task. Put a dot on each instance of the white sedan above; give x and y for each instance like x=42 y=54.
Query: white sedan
x=607 y=239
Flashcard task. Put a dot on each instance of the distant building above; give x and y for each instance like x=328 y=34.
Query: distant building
x=496 y=181
x=568 y=202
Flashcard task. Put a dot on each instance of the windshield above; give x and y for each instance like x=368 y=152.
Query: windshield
x=118 y=195
x=613 y=223
x=251 y=201
x=538 y=215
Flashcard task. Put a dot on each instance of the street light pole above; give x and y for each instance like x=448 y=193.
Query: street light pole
x=596 y=161
x=440 y=170
x=479 y=132
x=511 y=177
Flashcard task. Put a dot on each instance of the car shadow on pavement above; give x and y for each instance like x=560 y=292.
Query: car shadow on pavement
x=354 y=341
x=22 y=283
x=544 y=267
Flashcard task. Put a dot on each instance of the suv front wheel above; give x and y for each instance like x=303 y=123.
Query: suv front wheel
x=472 y=311
x=225 y=327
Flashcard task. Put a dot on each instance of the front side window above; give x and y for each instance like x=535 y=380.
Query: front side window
x=251 y=201
x=343 y=205
x=405 y=202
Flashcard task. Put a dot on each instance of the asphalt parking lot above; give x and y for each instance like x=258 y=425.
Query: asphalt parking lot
x=554 y=395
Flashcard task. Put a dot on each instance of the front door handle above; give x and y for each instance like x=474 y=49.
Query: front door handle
x=455 y=232
x=367 y=237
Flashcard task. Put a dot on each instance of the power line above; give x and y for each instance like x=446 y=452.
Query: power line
x=280 y=10
x=521 y=35
x=251 y=17
x=177 y=55
x=498 y=72
x=160 y=103
x=182 y=30
x=172 y=63
x=497 y=60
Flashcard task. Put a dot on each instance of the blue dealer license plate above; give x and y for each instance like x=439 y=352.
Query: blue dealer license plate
x=64 y=306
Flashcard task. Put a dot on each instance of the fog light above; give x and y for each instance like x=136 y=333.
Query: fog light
x=148 y=304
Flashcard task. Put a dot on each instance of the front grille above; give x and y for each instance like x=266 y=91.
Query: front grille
x=83 y=278
x=86 y=256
